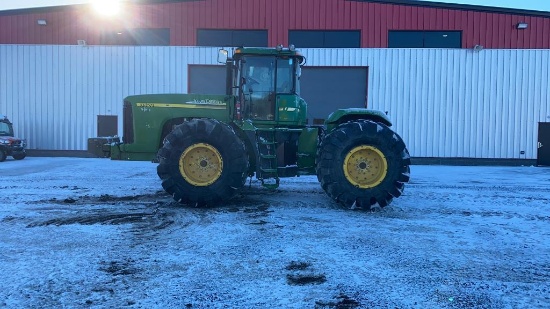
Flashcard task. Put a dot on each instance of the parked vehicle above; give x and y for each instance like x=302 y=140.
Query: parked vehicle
x=9 y=144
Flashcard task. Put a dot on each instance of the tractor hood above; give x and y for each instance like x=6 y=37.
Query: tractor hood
x=149 y=118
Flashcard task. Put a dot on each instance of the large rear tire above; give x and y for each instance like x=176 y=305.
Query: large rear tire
x=202 y=162
x=362 y=163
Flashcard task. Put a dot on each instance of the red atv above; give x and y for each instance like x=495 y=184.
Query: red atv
x=10 y=145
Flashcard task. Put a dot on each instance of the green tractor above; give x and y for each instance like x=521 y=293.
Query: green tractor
x=208 y=145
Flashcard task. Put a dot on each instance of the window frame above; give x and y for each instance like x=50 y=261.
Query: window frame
x=423 y=33
x=354 y=43
x=230 y=41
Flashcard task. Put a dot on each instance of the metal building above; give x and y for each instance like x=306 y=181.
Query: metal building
x=458 y=81
x=185 y=22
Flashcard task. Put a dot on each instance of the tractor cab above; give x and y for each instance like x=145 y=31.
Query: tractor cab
x=266 y=84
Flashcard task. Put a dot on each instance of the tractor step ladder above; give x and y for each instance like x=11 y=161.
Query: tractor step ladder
x=267 y=150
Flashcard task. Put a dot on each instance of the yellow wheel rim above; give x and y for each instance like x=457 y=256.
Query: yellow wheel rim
x=365 y=166
x=201 y=164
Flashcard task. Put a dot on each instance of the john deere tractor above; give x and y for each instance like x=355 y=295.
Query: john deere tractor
x=208 y=145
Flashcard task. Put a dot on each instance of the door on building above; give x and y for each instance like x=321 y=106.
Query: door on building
x=543 y=145
x=207 y=79
x=107 y=125
x=325 y=89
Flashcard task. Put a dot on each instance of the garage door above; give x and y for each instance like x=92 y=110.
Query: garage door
x=207 y=79
x=326 y=89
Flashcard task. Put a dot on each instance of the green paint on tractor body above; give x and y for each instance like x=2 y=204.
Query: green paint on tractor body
x=343 y=115
x=262 y=99
x=259 y=127
x=149 y=118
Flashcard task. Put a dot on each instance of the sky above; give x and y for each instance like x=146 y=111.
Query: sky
x=539 y=5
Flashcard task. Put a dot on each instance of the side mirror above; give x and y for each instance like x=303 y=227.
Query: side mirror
x=222 y=56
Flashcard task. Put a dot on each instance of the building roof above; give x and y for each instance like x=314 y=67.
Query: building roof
x=464 y=7
x=428 y=4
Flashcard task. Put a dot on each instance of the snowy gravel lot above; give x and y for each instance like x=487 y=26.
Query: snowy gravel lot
x=79 y=233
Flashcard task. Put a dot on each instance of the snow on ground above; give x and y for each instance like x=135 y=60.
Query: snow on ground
x=97 y=233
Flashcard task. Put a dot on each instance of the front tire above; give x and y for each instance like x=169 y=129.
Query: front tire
x=20 y=156
x=3 y=155
x=362 y=163
x=202 y=162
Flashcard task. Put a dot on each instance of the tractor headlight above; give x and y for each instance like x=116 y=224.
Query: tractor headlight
x=5 y=142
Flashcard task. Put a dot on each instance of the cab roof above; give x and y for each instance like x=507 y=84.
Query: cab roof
x=266 y=51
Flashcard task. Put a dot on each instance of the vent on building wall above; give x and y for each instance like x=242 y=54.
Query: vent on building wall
x=478 y=47
x=522 y=26
x=81 y=42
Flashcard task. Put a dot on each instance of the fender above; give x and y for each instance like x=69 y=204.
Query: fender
x=348 y=114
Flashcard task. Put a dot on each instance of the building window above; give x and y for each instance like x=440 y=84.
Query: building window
x=140 y=36
x=107 y=125
x=325 y=38
x=424 y=39
x=231 y=38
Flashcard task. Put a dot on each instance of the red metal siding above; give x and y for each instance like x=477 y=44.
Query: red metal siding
x=69 y=24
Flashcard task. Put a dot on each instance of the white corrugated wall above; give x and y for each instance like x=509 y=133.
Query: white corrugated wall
x=456 y=102
x=443 y=102
x=53 y=93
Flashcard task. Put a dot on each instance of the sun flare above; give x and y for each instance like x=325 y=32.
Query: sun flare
x=106 y=7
